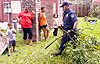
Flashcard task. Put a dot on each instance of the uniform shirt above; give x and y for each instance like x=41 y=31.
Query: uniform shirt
x=69 y=18
x=10 y=34
x=25 y=19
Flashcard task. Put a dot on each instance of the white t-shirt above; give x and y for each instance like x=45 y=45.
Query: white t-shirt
x=11 y=35
x=55 y=23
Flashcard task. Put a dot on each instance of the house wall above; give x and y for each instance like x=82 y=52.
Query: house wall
x=3 y=16
x=50 y=1
x=58 y=10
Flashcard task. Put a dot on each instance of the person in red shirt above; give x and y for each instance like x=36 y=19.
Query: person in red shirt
x=26 y=24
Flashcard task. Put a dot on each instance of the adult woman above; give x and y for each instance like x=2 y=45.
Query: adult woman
x=26 y=24
x=43 y=23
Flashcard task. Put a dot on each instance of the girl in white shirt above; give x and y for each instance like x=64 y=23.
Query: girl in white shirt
x=55 y=24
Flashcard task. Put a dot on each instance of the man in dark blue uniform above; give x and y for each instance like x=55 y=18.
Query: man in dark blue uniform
x=70 y=22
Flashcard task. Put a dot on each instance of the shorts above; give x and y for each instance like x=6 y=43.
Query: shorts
x=27 y=31
x=44 y=26
x=12 y=43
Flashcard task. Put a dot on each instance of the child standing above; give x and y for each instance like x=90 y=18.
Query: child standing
x=55 y=24
x=10 y=38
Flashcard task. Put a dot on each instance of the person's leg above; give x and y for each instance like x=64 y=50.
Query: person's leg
x=24 y=35
x=14 y=44
x=55 y=31
x=74 y=37
x=63 y=41
x=62 y=45
x=24 y=40
x=9 y=51
x=44 y=30
x=9 y=48
x=30 y=35
x=47 y=34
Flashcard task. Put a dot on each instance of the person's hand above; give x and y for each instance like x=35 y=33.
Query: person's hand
x=47 y=25
x=19 y=22
x=33 y=12
x=18 y=19
x=13 y=30
x=73 y=30
x=7 y=42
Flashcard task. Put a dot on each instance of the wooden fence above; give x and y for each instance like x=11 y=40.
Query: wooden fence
x=83 y=10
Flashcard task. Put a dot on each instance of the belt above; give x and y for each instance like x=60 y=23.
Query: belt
x=67 y=28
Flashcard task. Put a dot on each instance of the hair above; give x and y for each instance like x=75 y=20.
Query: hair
x=42 y=8
x=9 y=23
x=55 y=14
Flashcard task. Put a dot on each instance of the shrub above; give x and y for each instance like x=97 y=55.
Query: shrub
x=95 y=12
x=86 y=52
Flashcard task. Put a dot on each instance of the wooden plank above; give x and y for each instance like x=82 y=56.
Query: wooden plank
x=3 y=44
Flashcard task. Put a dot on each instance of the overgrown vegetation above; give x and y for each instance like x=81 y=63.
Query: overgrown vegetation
x=87 y=49
x=86 y=52
x=95 y=13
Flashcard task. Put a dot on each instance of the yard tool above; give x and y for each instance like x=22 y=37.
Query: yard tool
x=60 y=36
x=55 y=40
x=68 y=34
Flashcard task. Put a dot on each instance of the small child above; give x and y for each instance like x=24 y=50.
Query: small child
x=10 y=37
x=55 y=24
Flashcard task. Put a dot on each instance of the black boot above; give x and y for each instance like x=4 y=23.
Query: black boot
x=59 y=53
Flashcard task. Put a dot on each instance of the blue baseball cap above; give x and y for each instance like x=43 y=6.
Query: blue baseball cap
x=64 y=3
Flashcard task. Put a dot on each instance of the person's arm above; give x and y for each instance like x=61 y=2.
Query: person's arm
x=74 y=19
x=75 y=24
x=18 y=17
x=52 y=23
x=33 y=15
x=7 y=39
x=18 y=20
x=40 y=16
x=13 y=30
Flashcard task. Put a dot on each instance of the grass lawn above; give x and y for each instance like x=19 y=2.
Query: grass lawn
x=39 y=55
x=96 y=27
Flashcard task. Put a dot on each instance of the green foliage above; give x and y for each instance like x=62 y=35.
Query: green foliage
x=83 y=25
x=95 y=12
x=98 y=16
x=87 y=48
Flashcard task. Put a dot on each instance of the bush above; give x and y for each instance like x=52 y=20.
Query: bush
x=98 y=17
x=95 y=12
x=86 y=52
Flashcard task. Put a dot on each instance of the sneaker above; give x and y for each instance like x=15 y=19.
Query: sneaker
x=9 y=54
x=15 y=51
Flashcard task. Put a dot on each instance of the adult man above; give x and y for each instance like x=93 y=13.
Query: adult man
x=70 y=22
x=43 y=23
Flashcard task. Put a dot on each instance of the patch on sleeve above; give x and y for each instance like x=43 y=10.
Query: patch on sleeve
x=72 y=15
x=67 y=15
